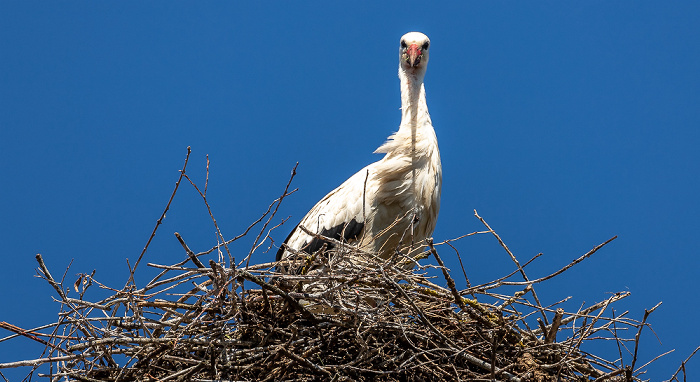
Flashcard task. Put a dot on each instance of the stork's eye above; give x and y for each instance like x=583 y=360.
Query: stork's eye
x=403 y=44
x=426 y=45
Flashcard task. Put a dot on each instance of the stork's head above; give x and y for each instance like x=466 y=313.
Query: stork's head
x=414 y=49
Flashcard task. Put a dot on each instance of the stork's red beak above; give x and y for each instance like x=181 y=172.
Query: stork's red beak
x=414 y=54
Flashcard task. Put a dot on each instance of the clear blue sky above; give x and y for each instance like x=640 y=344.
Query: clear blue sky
x=562 y=124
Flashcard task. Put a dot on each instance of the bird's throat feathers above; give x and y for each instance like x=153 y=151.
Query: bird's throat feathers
x=414 y=112
x=414 y=109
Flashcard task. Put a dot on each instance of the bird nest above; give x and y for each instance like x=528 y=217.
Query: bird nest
x=344 y=315
x=365 y=319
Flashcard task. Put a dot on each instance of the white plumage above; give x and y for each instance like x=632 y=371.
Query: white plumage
x=391 y=204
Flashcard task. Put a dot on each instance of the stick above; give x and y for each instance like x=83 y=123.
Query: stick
x=160 y=220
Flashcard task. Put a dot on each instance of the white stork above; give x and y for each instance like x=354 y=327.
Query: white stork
x=393 y=203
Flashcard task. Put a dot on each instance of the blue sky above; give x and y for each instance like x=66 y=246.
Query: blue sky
x=563 y=124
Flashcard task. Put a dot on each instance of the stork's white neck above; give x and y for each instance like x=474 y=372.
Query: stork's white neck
x=414 y=109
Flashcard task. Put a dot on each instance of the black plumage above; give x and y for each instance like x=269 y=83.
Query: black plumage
x=342 y=232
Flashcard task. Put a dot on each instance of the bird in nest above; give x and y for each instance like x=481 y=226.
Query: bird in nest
x=390 y=206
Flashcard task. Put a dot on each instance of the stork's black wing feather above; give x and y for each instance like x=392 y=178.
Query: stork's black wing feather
x=344 y=232
x=280 y=252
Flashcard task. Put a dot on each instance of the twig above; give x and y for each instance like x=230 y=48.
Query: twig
x=203 y=195
x=47 y=275
x=497 y=283
x=304 y=361
x=554 y=328
x=682 y=366
x=26 y=333
x=160 y=220
x=517 y=264
x=639 y=332
x=285 y=193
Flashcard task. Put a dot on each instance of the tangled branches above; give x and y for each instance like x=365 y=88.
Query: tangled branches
x=346 y=315
x=352 y=320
